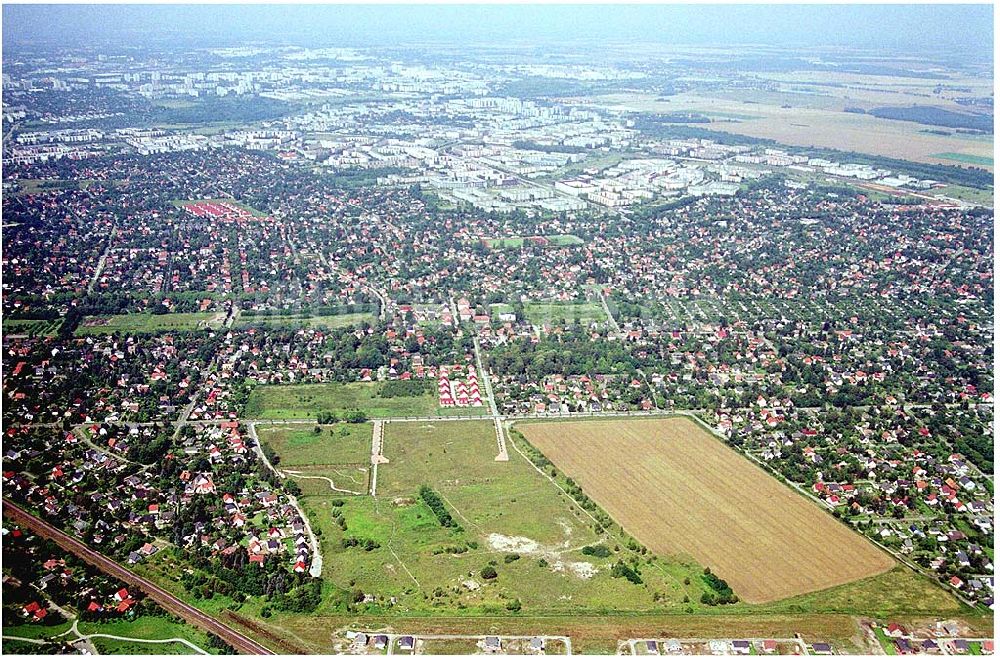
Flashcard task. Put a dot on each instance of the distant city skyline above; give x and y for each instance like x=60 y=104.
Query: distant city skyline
x=945 y=30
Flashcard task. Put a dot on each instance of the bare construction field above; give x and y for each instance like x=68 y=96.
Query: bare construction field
x=680 y=491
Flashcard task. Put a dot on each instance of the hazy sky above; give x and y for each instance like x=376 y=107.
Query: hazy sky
x=918 y=28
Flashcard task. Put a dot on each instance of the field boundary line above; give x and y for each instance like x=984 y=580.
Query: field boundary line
x=827 y=509
x=632 y=499
x=458 y=511
x=556 y=484
x=400 y=560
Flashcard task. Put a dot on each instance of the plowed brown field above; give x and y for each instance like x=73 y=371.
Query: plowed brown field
x=680 y=491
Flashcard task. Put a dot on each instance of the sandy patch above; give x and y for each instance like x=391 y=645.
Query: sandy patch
x=582 y=569
x=520 y=544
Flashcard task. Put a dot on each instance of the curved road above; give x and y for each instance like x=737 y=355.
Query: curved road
x=165 y=599
x=172 y=640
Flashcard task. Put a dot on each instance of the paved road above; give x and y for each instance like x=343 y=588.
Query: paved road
x=494 y=413
x=101 y=262
x=316 y=568
x=166 y=600
x=611 y=317
x=383 y=298
x=172 y=640
x=487 y=385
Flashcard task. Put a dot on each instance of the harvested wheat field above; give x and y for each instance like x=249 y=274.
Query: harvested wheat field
x=680 y=491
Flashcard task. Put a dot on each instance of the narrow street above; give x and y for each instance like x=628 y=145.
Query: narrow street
x=316 y=568
x=101 y=261
x=498 y=426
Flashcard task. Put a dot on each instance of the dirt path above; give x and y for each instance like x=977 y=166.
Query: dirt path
x=460 y=514
x=298 y=475
x=400 y=560
x=553 y=481
x=100 y=262
x=611 y=318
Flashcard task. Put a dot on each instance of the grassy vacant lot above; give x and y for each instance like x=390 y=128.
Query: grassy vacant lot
x=306 y=401
x=595 y=161
x=679 y=490
x=557 y=240
x=327 y=321
x=966 y=194
x=968 y=159
x=898 y=591
x=107 y=646
x=149 y=323
x=564 y=239
x=549 y=312
x=145 y=627
x=36 y=631
x=424 y=564
x=337 y=457
x=508 y=514
x=31 y=327
x=335 y=444
x=35 y=186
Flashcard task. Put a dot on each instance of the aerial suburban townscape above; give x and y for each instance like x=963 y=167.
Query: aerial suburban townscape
x=388 y=342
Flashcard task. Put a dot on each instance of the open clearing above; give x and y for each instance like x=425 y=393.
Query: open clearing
x=982 y=161
x=549 y=312
x=335 y=444
x=328 y=321
x=964 y=193
x=149 y=323
x=145 y=627
x=306 y=401
x=807 y=120
x=680 y=491
x=551 y=240
x=338 y=457
x=507 y=514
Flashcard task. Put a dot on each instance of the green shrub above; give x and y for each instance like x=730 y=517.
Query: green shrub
x=433 y=500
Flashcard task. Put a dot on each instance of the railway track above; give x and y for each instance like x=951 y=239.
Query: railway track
x=163 y=598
